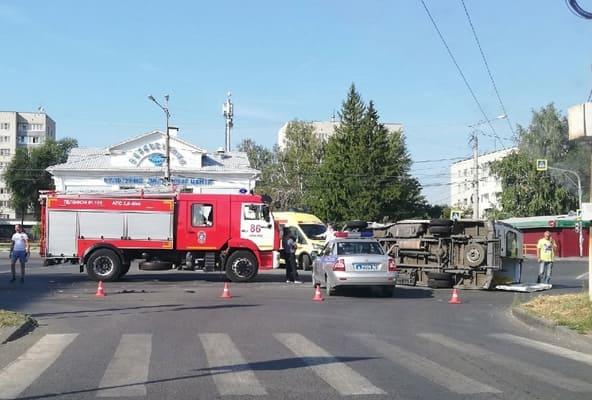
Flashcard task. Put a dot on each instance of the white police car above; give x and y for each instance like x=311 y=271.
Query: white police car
x=354 y=259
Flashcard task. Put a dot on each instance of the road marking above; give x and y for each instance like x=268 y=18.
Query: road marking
x=549 y=348
x=542 y=374
x=127 y=373
x=230 y=371
x=23 y=371
x=341 y=377
x=582 y=276
x=450 y=379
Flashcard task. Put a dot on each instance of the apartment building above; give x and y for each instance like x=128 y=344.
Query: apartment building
x=462 y=181
x=325 y=129
x=19 y=129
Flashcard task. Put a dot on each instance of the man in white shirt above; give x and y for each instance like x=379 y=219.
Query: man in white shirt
x=20 y=249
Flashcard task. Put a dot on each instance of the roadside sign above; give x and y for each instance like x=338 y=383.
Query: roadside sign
x=586 y=211
x=578 y=215
x=541 y=165
x=455 y=214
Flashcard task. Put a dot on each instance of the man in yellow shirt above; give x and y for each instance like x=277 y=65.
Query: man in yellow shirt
x=546 y=247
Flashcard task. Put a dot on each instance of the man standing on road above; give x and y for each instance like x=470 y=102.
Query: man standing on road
x=546 y=247
x=289 y=246
x=20 y=249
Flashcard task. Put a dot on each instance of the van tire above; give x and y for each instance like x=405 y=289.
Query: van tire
x=440 y=276
x=439 y=284
x=440 y=222
x=356 y=225
x=474 y=254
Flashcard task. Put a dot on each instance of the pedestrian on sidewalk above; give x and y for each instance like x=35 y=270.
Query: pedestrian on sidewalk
x=20 y=249
x=546 y=247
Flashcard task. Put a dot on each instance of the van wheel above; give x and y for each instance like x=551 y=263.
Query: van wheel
x=305 y=262
x=474 y=254
x=241 y=266
x=103 y=265
x=439 y=284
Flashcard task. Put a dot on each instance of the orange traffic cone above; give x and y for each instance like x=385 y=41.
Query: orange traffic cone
x=318 y=296
x=100 y=291
x=454 y=299
x=226 y=292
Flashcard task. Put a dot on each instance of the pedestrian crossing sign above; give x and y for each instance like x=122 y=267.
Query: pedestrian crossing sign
x=455 y=215
x=541 y=165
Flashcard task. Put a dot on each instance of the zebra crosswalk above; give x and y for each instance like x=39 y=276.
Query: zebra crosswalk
x=231 y=373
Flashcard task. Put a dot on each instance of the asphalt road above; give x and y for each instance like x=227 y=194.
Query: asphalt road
x=171 y=335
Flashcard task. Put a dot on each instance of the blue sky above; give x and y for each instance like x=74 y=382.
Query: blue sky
x=92 y=64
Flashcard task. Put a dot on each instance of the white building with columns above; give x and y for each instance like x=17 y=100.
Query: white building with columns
x=140 y=163
x=462 y=182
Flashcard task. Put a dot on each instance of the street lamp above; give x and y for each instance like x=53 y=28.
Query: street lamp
x=165 y=108
x=580 y=235
x=475 y=140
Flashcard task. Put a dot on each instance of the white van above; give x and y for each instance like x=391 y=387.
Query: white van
x=308 y=231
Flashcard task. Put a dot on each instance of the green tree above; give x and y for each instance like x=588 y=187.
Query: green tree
x=527 y=192
x=364 y=173
x=18 y=178
x=25 y=175
x=296 y=163
x=547 y=137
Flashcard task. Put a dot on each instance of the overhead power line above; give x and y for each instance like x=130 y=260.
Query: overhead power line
x=488 y=69
x=460 y=71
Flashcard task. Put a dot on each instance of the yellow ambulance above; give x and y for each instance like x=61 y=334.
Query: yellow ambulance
x=308 y=231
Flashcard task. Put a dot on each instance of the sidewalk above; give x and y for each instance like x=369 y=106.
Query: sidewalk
x=10 y=333
x=557 y=330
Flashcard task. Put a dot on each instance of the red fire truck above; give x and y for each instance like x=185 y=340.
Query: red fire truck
x=104 y=233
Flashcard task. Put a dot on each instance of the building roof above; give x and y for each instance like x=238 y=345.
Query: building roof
x=97 y=159
x=545 y=221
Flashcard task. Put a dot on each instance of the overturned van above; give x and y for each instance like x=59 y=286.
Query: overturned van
x=441 y=253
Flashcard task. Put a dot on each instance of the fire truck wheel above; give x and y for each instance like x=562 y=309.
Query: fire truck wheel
x=474 y=254
x=305 y=262
x=241 y=266
x=103 y=265
x=155 y=265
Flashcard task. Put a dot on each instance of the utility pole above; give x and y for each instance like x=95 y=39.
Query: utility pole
x=165 y=108
x=475 y=139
